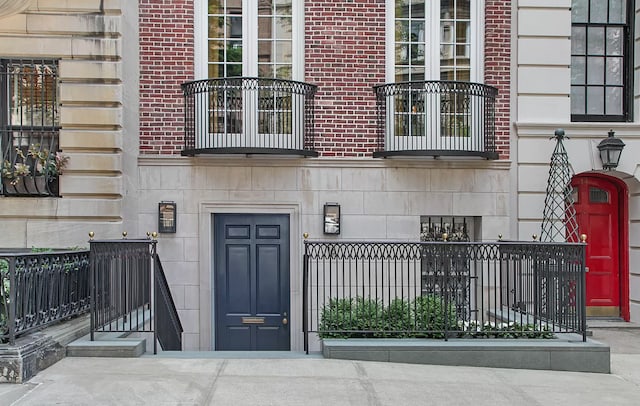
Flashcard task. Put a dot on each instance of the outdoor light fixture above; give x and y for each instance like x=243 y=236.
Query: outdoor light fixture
x=167 y=217
x=331 y=218
x=610 y=149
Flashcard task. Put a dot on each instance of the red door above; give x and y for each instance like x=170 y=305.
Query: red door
x=597 y=209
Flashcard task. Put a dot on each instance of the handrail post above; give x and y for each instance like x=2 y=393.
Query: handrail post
x=92 y=291
x=153 y=294
x=583 y=291
x=448 y=257
x=305 y=293
x=12 y=300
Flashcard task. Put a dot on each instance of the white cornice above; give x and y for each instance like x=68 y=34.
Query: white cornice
x=158 y=160
x=582 y=130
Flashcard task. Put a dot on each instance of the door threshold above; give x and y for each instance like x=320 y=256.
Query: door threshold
x=237 y=354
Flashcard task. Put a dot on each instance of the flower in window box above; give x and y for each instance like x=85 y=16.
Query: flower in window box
x=13 y=173
x=33 y=172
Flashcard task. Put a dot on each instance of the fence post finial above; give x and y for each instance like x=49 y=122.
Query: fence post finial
x=154 y=235
x=305 y=235
x=91 y=235
x=535 y=237
x=499 y=237
x=583 y=238
x=445 y=236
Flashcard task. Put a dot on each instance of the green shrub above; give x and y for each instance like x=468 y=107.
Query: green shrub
x=348 y=318
x=366 y=317
x=425 y=317
x=433 y=314
x=398 y=319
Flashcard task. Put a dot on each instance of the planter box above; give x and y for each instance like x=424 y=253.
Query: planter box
x=31 y=186
x=566 y=353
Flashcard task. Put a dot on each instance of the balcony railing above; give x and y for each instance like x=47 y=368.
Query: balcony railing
x=249 y=116
x=443 y=289
x=436 y=118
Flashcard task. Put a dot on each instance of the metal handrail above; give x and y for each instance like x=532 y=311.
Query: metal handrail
x=130 y=293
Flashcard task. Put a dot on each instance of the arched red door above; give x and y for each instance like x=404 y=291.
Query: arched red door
x=597 y=203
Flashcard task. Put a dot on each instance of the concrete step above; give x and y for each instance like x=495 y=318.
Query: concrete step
x=125 y=347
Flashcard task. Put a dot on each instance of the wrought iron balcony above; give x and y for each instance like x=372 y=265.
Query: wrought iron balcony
x=436 y=118
x=249 y=116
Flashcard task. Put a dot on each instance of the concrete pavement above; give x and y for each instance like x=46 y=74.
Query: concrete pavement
x=302 y=380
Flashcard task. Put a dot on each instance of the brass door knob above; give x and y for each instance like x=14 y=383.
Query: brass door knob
x=285 y=321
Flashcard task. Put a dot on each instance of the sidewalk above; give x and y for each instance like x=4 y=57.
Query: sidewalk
x=302 y=380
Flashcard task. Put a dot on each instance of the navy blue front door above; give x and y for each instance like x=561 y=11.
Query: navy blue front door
x=251 y=282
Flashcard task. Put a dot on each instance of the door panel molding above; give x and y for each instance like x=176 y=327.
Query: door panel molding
x=204 y=335
x=251 y=282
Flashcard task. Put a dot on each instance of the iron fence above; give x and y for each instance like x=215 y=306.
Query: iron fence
x=129 y=292
x=436 y=118
x=443 y=289
x=249 y=116
x=38 y=289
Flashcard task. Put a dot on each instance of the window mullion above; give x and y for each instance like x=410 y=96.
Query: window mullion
x=250 y=38
x=432 y=45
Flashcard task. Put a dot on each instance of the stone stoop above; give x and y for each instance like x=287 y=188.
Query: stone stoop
x=39 y=350
x=114 y=346
x=569 y=354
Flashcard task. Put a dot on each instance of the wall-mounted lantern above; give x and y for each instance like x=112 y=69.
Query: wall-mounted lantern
x=331 y=218
x=610 y=150
x=167 y=217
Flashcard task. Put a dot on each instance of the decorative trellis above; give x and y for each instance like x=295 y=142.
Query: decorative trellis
x=559 y=222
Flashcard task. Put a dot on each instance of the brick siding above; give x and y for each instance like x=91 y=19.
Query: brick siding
x=166 y=61
x=497 y=66
x=344 y=57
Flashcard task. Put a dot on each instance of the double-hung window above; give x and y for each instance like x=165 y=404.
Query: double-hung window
x=29 y=129
x=600 y=60
x=434 y=49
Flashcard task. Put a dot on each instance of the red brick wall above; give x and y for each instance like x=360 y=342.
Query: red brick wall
x=166 y=61
x=344 y=56
x=497 y=70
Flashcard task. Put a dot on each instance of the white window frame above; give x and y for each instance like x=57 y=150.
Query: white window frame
x=249 y=35
x=249 y=69
x=432 y=72
x=432 y=26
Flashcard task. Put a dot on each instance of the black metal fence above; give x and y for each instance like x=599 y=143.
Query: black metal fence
x=436 y=118
x=123 y=298
x=38 y=289
x=443 y=289
x=249 y=115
